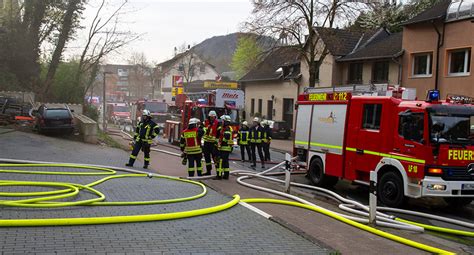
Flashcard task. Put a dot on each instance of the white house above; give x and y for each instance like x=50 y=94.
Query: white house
x=183 y=68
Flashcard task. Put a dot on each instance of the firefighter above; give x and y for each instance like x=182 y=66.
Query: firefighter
x=190 y=144
x=145 y=132
x=256 y=133
x=266 y=139
x=243 y=140
x=210 y=141
x=225 y=147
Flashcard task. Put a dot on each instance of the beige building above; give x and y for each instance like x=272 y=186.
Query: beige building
x=377 y=61
x=354 y=58
x=438 y=49
x=272 y=87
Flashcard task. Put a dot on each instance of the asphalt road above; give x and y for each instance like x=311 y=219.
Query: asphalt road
x=318 y=227
x=237 y=230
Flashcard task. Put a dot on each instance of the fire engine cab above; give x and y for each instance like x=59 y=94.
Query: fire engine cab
x=418 y=148
x=198 y=105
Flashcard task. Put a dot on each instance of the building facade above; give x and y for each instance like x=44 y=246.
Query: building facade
x=272 y=87
x=183 y=68
x=438 y=49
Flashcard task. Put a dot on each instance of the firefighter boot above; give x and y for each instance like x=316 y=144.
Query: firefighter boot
x=130 y=162
x=145 y=166
x=226 y=176
x=191 y=173
x=263 y=165
x=218 y=176
x=199 y=173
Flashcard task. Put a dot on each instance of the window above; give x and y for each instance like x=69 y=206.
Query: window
x=181 y=67
x=260 y=102
x=422 y=64
x=252 y=106
x=410 y=126
x=355 y=72
x=380 y=72
x=459 y=62
x=371 y=116
x=202 y=68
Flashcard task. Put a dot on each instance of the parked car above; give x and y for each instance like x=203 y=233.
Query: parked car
x=280 y=129
x=54 y=119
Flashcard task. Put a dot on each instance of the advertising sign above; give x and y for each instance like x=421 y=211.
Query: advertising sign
x=220 y=85
x=230 y=98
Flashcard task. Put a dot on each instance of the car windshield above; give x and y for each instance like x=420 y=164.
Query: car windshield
x=157 y=107
x=121 y=109
x=57 y=113
x=452 y=126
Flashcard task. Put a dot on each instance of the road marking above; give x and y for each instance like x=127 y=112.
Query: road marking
x=255 y=209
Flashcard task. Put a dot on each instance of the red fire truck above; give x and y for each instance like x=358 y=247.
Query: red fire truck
x=198 y=105
x=418 y=148
x=158 y=110
x=118 y=113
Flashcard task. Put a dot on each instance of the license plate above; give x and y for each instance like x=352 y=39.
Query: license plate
x=468 y=186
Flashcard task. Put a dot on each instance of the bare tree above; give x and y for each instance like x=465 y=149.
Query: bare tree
x=188 y=65
x=140 y=76
x=104 y=38
x=294 y=21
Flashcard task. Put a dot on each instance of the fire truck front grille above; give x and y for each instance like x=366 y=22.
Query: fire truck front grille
x=457 y=174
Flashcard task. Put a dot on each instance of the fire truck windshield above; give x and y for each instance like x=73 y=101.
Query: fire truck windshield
x=454 y=125
x=121 y=109
x=203 y=112
x=156 y=107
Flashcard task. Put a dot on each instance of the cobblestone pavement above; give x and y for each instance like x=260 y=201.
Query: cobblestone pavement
x=237 y=230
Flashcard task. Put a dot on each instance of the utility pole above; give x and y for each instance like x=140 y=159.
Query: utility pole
x=104 y=105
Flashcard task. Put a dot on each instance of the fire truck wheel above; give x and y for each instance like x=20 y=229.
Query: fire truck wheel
x=390 y=189
x=317 y=176
x=458 y=202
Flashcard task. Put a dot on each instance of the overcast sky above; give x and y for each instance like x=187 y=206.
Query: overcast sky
x=169 y=23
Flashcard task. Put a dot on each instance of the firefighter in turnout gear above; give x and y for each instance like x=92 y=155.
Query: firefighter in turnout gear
x=210 y=141
x=256 y=135
x=267 y=139
x=145 y=132
x=190 y=144
x=243 y=140
x=225 y=147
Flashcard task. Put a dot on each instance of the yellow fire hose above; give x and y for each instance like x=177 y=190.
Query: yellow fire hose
x=352 y=223
x=45 y=199
x=439 y=229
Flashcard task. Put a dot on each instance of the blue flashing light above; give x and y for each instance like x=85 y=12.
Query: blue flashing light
x=202 y=101
x=433 y=95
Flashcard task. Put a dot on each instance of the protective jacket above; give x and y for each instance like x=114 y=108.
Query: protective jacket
x=211 y=130
x=146 y=131
x=190 y=141
x=225 y=138
x=243 y=137
x=256 y=134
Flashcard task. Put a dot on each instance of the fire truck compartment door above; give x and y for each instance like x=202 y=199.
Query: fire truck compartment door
x=303 y=126
x=327 y=129
x=370 y=134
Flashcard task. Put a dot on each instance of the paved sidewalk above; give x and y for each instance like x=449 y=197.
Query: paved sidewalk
x=237 y=230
